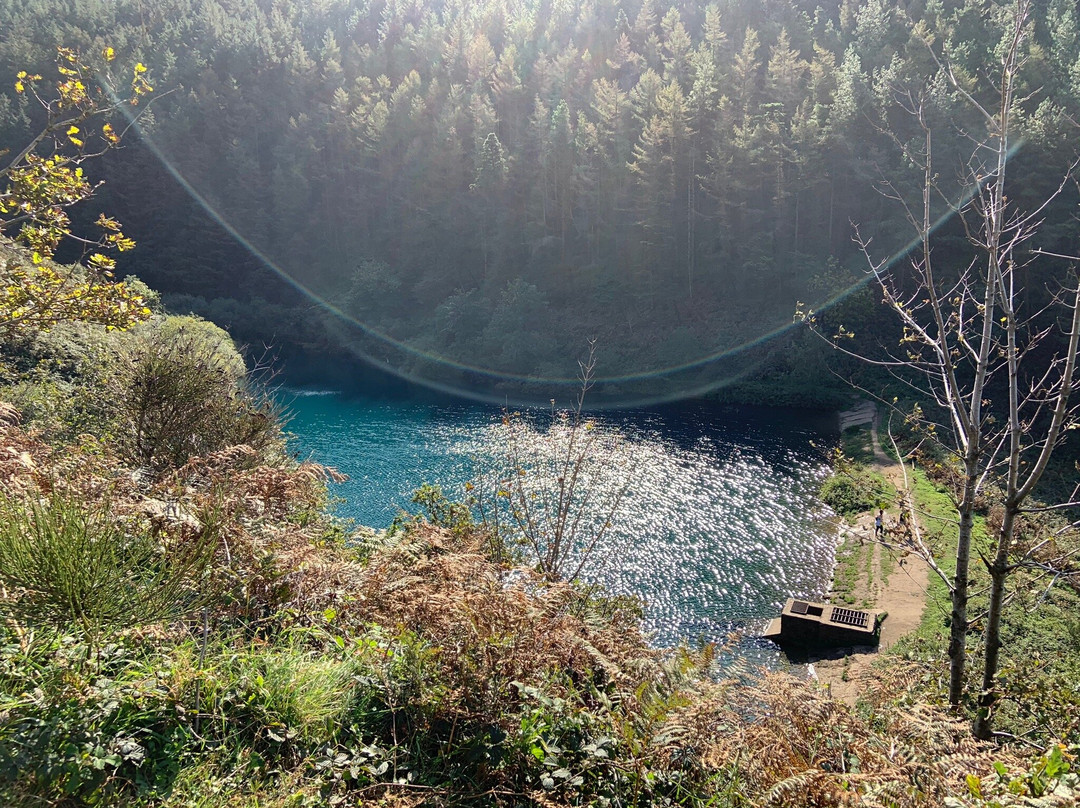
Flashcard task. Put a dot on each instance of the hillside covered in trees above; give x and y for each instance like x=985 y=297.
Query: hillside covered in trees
x=183 y=622
x=476 y=188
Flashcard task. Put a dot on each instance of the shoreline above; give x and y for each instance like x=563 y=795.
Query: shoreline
x=349 y=372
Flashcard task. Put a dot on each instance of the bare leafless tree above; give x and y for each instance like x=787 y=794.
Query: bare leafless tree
x=560 y=485
x=970 y=333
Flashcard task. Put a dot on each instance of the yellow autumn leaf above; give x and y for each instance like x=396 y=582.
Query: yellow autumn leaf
x=102 y=262
x=107 y=223
x=108 y=54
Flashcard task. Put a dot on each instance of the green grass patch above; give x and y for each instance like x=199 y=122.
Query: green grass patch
x=868 y=571
x=857 y=442
x=937 y=515
x=849 y=564
x=887 y=563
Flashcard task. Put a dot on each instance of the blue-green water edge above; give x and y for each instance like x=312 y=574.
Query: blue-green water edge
x=720 y=525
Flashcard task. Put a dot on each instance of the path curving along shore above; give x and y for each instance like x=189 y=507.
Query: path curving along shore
x=891 y=579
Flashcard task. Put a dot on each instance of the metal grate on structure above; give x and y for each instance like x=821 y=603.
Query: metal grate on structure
x=850 y=617
x=799 y=607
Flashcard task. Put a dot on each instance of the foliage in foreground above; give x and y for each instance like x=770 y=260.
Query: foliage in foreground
x=409 y=670
x=75 y=565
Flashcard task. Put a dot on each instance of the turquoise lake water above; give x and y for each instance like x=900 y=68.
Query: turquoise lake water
x=720 y=523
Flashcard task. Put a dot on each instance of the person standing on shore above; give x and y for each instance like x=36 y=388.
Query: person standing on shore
x=879 y=524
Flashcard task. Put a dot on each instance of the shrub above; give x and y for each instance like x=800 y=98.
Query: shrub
x=854 y=491
x=185 y=392
x=61 y=380
x=99 y=741
x=295 y=694
x=555 y=491
x=438 y=510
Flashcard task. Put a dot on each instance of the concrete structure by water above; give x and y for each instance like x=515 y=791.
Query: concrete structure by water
x=807 y=625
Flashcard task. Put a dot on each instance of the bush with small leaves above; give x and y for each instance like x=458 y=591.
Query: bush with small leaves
x=854 y=491
x=184 y=392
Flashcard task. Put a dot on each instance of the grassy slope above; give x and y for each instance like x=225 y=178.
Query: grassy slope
x=1040 y=669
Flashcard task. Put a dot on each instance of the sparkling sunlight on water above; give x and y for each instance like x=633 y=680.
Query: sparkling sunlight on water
x=720 y=523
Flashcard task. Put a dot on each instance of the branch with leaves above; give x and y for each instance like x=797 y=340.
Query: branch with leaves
x=43 y=181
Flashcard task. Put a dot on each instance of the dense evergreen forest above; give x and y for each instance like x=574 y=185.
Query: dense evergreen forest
x=493 y=183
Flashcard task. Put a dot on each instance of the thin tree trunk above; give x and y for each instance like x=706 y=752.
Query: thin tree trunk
x=999 y=569
x=966 y=424
x=958 y=624
x=1016 y=495
x=999 y=572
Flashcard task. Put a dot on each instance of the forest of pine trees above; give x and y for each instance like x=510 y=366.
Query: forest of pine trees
x=492 y=182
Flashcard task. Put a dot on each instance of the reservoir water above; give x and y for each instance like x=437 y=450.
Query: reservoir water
x=719 y=525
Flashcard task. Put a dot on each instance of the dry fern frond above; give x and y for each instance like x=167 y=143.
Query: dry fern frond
x=793 y=790
x=796 y=746
x=9 y=414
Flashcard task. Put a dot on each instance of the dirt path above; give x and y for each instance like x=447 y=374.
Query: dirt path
x=893 y=580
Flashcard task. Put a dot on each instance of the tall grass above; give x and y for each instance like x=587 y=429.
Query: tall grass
x=295 y=693
x=73 y=566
